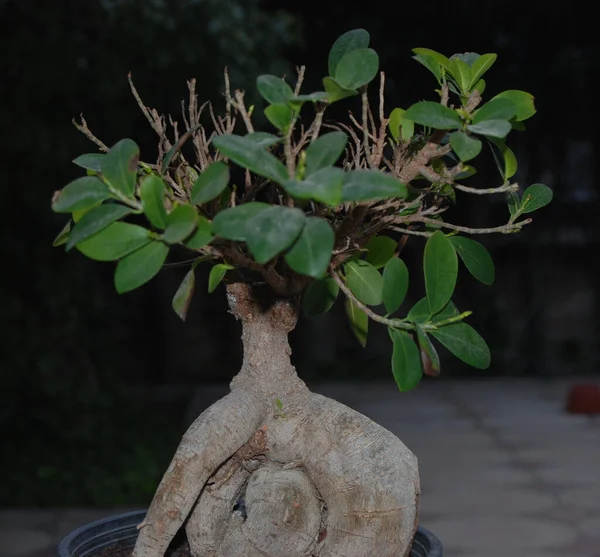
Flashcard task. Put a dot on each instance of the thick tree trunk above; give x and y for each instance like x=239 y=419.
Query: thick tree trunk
x=274 y=470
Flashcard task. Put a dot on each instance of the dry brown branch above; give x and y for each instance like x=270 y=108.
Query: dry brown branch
x=239 y=105
x=85 y=130
x=300 y=70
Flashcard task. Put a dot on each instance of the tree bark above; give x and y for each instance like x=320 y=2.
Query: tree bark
x=274 y=470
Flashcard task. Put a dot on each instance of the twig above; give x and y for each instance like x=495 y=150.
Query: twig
x=504 y=229
x=381 y=89
x=157 y=128
x=227 y=100
x=365 y=125
x=318 y=121
x=300 y=71
x=83 y=128
x=239 y=105
x=487 y=191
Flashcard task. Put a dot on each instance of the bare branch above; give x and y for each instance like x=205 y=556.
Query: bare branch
x=157 y=128
x=300 y=79
x=488 y=191
x=239 y=105
x=365 y=125
x=504 y=229
x=83 y=128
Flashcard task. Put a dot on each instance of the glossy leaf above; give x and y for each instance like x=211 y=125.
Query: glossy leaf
x=248 y=154
x=464 y=146
x=430 y=359
x=152 y=195
x=96 y=220
x=280 y=116
x=357 y=68
x=395 y=121
x=216 y=275
x=273 y=230
x=274 y=89
x=395 y=284
x=325 y=151
x=82 y=193
x=183 y=296
x=262 y=139
x=524 y=102
x=365 y=282
x=298 y=100
x=479 y=86
x=465 y=343
x=508 y=165
x=496 y=109
x=319 y=296
x=324 y=186
x=119 y=167
x=311 y=253
x=358 y=321
x=231 y=223
x=140 y=266
x=181 y=222
x=202 y=236
x=491 y=128
x=91 y=161
x=348 y=42
x=535 y=197
x=440 y=266
x=461 y=72
x=406 y=361
x=211 y=183
x=115 y=241
x=434 y=115
x=476 y=258
x=366 y=185
x=63 y=236
x=335 y=91
x=380 y=249
x=420 y=312
x=439 y=58
x=431 y=64
x=479 y=67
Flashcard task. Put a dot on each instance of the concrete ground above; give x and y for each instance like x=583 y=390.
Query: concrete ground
x=505 y=471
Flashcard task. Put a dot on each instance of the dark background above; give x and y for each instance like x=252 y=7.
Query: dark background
x=93 y=385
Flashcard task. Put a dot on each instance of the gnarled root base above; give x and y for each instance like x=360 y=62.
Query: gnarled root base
x=273 y=470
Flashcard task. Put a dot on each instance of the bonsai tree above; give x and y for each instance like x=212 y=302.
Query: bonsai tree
x=292 y=219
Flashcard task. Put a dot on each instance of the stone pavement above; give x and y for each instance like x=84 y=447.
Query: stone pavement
x=504 y=471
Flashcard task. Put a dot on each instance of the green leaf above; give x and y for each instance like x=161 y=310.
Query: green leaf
x=231 y=223
x=496 y=109
x=480 y=86
x=491 y=128
x=274 y=89
x=210 y=183
x=181 y=222
x=440 y=266
x=367 y=185
x=429 y=356
x=273 y=230
x=365 y=282
x=465 y=343
x=431 y=64
x=91 y=161
x=395 y=122
x=476 y=258
x=324 y=186
x=406 y=361
x=523 y=101
x=216 y=275
x=262 y=139
x=280 y=116
x=535 y=197
x=319 y=296
x=420 y=312
x=439 y=58
x=184 y=295
x=348 y=42
x=325 y=151
x=317 y=96
x=82 y=193
x=202 y=236
x=465 y=147
x=247 y=154
x=119 y=167
x=461 y=72
x=434 y=115
x=62 y=236
x=311 y=253
x=466 y=172
x=115 y=241
x=335 y=91
x=395 y=284
x=152 y=195
x=380 y=249
x=358 y=320
x=508 y=166
x=357 y=68
x=96 y=220
x=139 y=267
x=479 y=67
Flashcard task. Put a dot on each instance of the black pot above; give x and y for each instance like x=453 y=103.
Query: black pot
x=90 y=539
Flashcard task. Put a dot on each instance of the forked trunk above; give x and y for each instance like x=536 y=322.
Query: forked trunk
x=273 y=470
